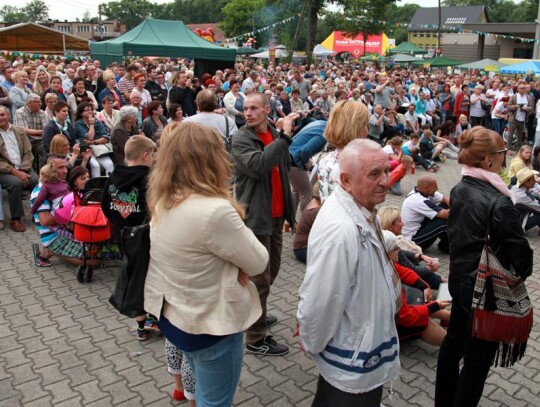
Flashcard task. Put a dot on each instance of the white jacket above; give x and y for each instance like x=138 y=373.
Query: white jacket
x=196 y=249
x=348 y=301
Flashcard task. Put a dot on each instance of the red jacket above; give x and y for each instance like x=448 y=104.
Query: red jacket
x=411 y=315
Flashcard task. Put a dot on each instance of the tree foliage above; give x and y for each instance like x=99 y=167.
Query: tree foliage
x=34 y=11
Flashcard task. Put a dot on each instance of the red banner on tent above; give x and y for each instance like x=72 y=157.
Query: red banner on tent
x=355 y=45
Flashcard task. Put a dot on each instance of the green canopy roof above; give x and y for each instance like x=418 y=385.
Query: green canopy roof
x=245 y=50
x=407 y=48
x=162 y=38
x=398 y=58
x=437 y=61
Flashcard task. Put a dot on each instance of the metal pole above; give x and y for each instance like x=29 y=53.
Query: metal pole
x=439 y=32
x=64 y=43
x=536 y=51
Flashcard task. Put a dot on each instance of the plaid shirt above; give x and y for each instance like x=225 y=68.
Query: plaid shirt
x=27 y=120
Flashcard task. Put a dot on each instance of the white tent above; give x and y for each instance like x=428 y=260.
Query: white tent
x=280 y=53
x=320 y=51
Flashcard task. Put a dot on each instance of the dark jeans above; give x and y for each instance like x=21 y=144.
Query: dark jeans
x=454 y=387
x=429 y=231
x=476 y=121
x=15 y=187
x=273 y=244
x=533 y=221
x=328 y=396
x=518 y=128
x=301 y=254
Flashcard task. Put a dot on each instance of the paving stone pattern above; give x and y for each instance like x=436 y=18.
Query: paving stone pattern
x=62 y=344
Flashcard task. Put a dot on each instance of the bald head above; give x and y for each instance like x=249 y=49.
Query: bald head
x=356 y=154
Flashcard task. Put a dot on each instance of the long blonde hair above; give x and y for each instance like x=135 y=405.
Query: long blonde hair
x=347 y=121
x=38 y=88
x=192 y=159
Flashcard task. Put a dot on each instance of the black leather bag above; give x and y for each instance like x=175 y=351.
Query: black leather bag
x=128 y=294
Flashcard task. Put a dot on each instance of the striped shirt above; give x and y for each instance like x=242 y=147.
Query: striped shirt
x=46 y=235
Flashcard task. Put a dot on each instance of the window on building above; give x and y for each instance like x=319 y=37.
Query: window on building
x=63 y=28
x=83 y=29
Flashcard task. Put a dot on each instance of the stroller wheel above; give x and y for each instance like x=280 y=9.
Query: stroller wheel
x=88 y=274
x=80 y=274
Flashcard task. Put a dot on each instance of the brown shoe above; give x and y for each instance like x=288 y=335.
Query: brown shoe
x=17 y=226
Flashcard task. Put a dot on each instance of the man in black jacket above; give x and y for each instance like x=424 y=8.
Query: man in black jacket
x=183 y=95
x=262 y=161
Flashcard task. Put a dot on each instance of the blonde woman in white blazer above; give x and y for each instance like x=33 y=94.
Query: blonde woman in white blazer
x=201 y=258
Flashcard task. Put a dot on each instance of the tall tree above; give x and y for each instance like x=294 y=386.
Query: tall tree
x=128 y=12
x=36 y=11
x=12 y=15
x=364 y=16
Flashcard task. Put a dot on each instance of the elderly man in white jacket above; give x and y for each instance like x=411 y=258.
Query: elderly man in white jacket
x=351 y=291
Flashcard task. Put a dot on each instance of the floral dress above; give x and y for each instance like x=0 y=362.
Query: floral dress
x=328 y=173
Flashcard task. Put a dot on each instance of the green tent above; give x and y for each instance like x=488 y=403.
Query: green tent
x=403 y=58
x=407 y=48
x=164 y=38
x=437 y=62
x=245 y=50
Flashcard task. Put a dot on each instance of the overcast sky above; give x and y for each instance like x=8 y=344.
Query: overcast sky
x=71 y=9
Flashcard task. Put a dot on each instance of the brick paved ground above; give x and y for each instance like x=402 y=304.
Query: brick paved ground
x=62 y=344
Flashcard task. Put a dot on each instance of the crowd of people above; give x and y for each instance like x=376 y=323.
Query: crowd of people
x=221 y=165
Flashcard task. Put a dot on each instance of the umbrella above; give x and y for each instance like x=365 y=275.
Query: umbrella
x=372 y=57
x=483 y=65
x=524 y=67
x=321 y=51
x=245 y=50
x=280 y=53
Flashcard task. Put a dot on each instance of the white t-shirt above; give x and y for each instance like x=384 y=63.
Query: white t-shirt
x=416 y=208
x=215 y=121
x=499 y=108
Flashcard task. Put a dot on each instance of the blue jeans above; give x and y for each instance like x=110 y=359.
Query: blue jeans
x=217 y=371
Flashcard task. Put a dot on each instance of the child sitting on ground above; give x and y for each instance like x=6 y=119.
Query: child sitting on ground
x=414 y=320
x=52 y=188
x=397 y=174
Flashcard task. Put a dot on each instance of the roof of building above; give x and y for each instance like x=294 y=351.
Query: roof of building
x=450 y=16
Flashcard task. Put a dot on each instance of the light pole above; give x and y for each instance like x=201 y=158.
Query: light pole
x=438 y=52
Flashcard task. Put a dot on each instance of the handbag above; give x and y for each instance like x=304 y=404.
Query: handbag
x=101 y=149
x=128 y=294
x=502 y=310
x=413 y=296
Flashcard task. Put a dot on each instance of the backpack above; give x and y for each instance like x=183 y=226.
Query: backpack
x=128 y=294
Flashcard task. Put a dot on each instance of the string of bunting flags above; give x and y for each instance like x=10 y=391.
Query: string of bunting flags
x=405 y=25
x=27 y=55
x=454 y=29
x=260 y=30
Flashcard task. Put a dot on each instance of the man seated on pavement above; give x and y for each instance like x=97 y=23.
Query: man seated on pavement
x=52 y=243
x=33 y=120
x=525 y=201
x=16 y=172
x=425 y=214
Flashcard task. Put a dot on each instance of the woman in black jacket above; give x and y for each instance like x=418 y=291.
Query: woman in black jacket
x=482 y=152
